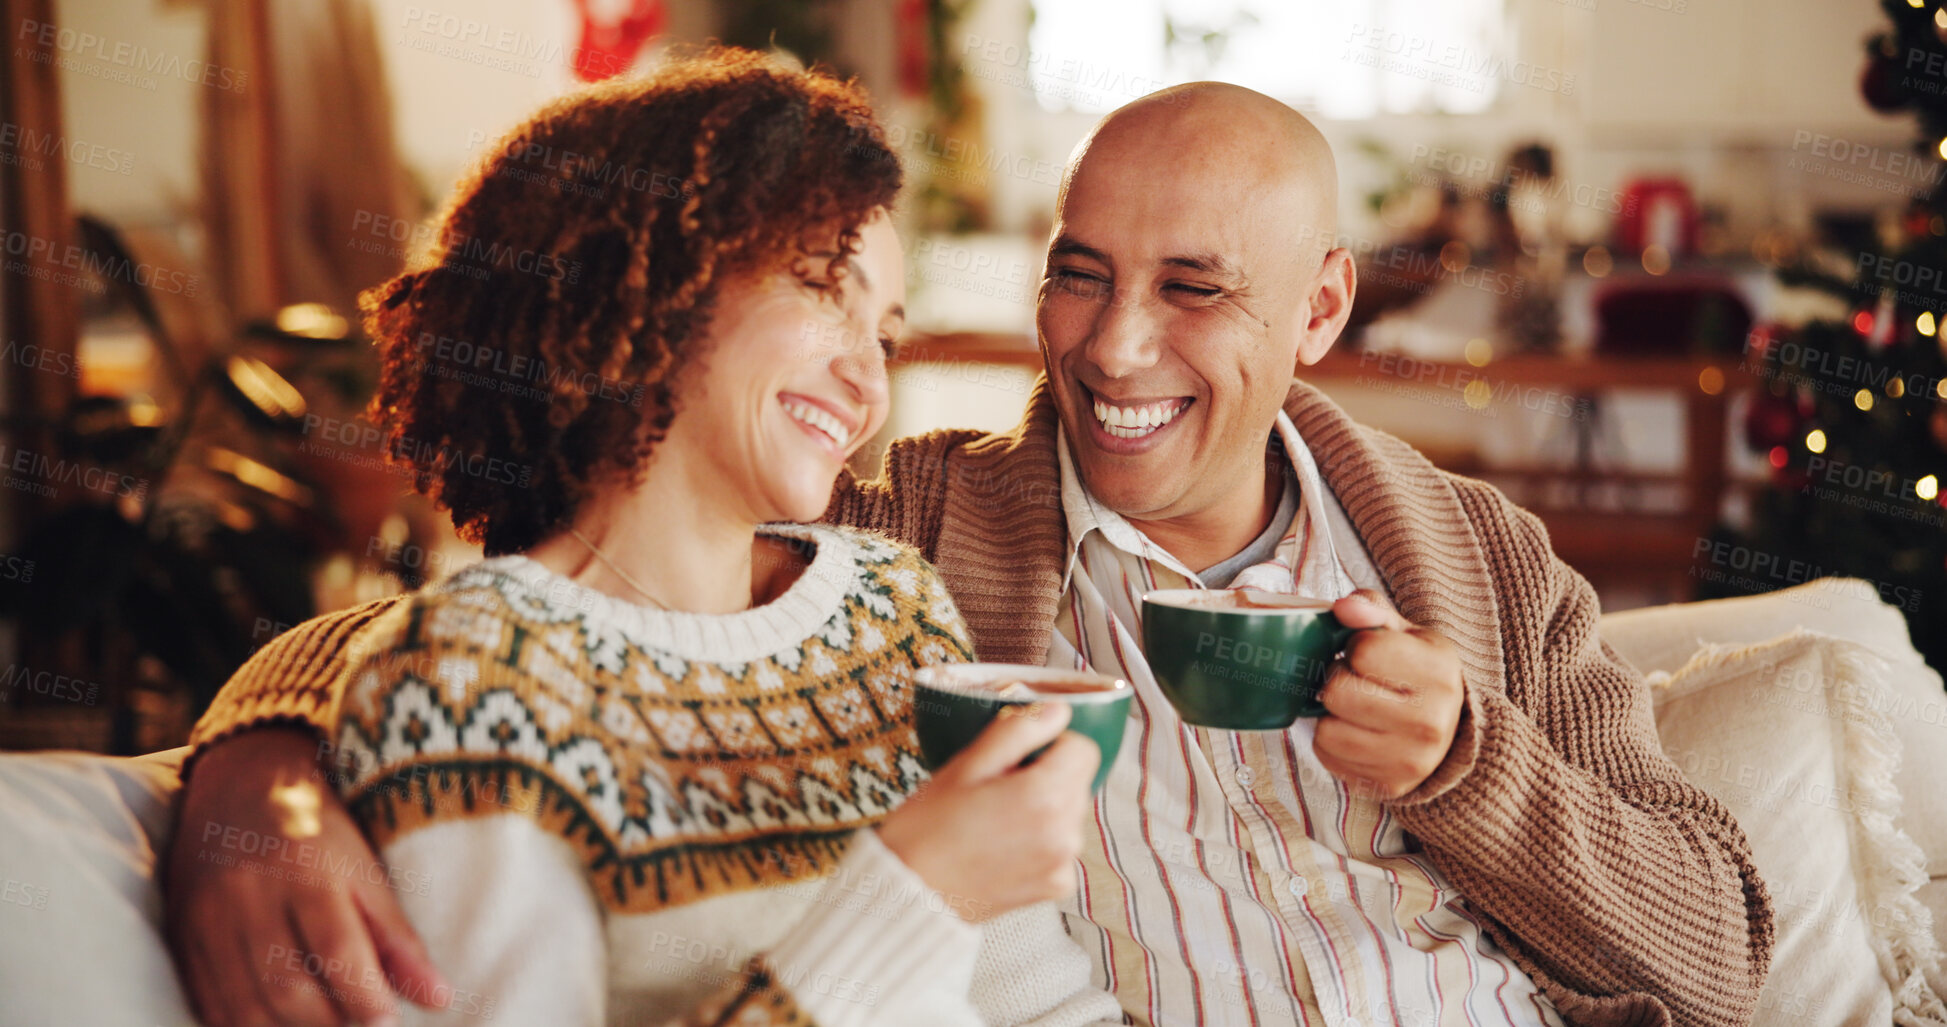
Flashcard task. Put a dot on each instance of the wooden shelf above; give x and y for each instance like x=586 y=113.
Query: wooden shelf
x=1591 y=373
x=1607 y=546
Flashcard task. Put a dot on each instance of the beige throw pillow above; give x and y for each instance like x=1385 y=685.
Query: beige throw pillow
x=1792 y=736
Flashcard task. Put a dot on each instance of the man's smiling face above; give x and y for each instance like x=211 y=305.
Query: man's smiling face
x=1177 y=302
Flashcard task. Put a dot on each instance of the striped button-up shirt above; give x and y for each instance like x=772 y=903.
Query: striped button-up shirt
x=1229 y=878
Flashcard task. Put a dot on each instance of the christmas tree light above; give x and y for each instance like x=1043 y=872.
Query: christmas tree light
x=1860 y=494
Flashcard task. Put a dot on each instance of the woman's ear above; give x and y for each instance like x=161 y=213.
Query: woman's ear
x=1330 y=305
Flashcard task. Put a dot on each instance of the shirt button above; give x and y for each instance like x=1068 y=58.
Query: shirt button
x=1298 y=887
x=1245 y=777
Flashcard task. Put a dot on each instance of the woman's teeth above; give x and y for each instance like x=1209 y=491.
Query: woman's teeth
x=811 y=416
x=1136 y=422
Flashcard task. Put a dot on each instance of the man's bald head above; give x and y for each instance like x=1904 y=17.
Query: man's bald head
x=1190 y=273
x=1226 y=131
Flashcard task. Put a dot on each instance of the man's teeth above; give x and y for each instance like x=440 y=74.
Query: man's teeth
x=817 y=418
x=1136 y=422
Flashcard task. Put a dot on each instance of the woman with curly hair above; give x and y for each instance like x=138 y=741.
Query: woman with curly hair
x=651 y=759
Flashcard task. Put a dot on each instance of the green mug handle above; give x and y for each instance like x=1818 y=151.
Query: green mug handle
x=1340 y=636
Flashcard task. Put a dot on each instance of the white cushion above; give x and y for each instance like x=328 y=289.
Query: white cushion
x=1933 y=895
x=1791 y=736
x=80 y=915
x=1663 y=637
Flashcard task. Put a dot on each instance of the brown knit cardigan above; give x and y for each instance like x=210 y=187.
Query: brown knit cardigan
x=1628 y=894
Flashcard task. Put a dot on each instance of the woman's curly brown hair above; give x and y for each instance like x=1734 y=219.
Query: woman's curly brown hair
x=540 y=345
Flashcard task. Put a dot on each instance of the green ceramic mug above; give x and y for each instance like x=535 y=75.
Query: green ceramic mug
x=1240 y=659
x=954 y=702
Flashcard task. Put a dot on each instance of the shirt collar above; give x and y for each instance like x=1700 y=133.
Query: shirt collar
x=1085 y=514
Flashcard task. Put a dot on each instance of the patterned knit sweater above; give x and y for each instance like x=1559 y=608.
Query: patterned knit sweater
x=1625 y=892
x=615 y=814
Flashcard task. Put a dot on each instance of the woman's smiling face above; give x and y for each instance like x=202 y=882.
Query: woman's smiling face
x=794 y=380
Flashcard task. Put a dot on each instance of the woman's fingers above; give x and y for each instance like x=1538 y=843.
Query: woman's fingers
x=991 y=832
x=1068 y=765
x=1016 y=732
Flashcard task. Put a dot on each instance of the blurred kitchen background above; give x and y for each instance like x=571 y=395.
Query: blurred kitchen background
x=1668 y=271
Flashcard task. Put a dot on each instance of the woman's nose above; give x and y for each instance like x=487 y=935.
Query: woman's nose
x=861 y=365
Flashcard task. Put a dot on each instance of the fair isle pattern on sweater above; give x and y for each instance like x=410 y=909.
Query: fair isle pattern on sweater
x=678 y=771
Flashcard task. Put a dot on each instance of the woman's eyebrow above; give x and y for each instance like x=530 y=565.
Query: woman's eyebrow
x=858 y=269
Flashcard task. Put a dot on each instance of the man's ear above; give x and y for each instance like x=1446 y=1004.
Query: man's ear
x=1331 y=305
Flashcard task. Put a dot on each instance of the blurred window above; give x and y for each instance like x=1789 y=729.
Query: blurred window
x=1341 y=59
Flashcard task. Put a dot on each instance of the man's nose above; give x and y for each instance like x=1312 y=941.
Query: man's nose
x=1125 y=337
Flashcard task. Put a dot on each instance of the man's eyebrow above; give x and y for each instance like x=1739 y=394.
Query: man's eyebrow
x=1208 y=263
x=1066 y=246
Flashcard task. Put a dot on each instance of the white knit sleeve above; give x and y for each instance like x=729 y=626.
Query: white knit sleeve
x=1030 y=972
x=507 y=916
x=879 y=947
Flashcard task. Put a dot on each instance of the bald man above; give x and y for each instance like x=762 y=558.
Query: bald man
x=1482 y=829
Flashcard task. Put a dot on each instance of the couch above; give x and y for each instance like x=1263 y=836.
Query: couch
x=1806 y=711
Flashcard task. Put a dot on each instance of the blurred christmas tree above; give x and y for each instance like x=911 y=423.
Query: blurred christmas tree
x=1854 y=417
